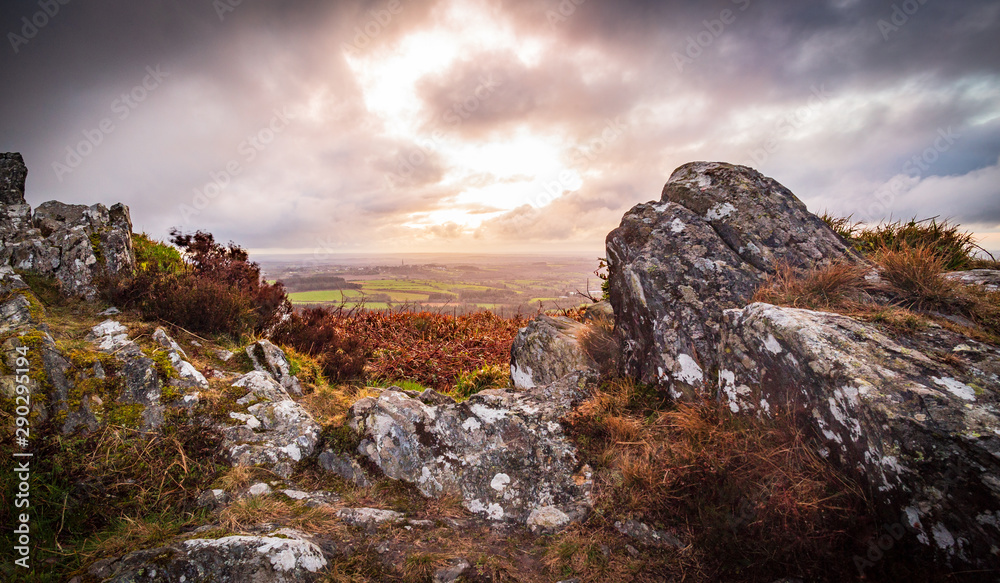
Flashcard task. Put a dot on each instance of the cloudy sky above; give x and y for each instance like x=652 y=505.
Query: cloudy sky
x=495 y=125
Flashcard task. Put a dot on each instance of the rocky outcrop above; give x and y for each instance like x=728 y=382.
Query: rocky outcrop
x=502 y=451
x=143 y=385
x=914 y=418
x=269 y=358
x=284 y=556
x=187 y=375
x=273 y=429
x=72 y=243
x=675 y=265
x=546 y=350
x=344 y=466
x=988 y=278
x=13 y=174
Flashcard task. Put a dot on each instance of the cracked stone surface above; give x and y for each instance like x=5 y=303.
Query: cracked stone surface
x=284 y=556
x=503 y=452
x=72 y=243
x=546 y=350
x=676 y=264
x=275 y=430
x=916 y=418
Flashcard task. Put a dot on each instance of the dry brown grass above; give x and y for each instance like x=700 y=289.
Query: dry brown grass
x=916 y=277
x=748 y=494
x=244 y=514
x=599 y=343
x=838 y=284
x=910 y=293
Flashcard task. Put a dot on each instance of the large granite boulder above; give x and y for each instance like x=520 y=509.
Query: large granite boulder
x=284 y=556
x=273 y=430
x=73 y=243
x=502 y=451
x=915 y=418
x=546 y=350
x=675 y=265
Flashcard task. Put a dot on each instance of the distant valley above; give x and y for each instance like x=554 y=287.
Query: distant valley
x=454 y=283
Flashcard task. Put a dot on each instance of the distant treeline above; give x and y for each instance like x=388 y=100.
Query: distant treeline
x=300 y=283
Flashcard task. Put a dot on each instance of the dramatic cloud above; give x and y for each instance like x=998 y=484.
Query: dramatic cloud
x=495 y=125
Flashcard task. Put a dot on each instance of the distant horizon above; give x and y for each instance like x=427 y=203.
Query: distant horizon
x=495 y=126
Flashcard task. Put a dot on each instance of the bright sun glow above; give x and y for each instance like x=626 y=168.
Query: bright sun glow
x=488 y=177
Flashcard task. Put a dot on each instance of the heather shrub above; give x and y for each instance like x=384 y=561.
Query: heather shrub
x=205 y=287
x=317 y=333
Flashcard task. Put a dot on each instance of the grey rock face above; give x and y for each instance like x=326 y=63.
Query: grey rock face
x=13 y=173
x=143 y=386
x=345 y=467
x=369 y=516
x=187 y=374
x=503 y=451
x=914 y=418
x=674 y=266
x=546 y=350
x=269 y=358
x=72 y=243
x=285 y=556
x=988 y=278
x=274 y=431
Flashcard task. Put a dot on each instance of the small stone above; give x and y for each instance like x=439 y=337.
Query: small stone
x=383 y=547
x=453 y=572
x=112 y=311
x=259 y=489
x=369 y=516
x=547 y=519
x=632 y=550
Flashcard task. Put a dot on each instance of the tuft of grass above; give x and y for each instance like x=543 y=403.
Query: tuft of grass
x=916 y=275
x=598 y=341
x=151 y=255
x=420 y=567
x=957 y=249
x=819 y=288
x=493 y=376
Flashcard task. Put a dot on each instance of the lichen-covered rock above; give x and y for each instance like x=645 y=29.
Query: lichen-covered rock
x=72 y=243
x=285 y=556
x=915 y=418
x=269 y=358
x=142 y=386
x=988 y=278
x=187 y=374
x=369 y=517
x=547 y=349
x=275 y=431
x=13 y=174
x=343 y=466
x=675 y=265
x=49 y=379
x=502 y=451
